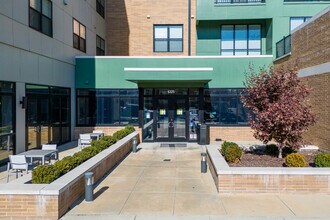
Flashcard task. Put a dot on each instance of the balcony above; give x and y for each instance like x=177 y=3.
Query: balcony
x=238 y=1
x=283 y=47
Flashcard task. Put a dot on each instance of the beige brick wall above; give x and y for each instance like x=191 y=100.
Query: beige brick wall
x=255 y=183
x=130 y=32
x=232 y=133
x=28 y=207
x=310 y=47
x=319 y=134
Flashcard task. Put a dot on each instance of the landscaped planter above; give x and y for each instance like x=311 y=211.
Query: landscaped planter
x=51 y=201
x=266 y=179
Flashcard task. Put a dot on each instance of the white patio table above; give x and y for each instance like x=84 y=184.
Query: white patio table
x=38 y=154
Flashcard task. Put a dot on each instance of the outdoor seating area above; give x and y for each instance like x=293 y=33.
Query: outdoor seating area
x=86 y=139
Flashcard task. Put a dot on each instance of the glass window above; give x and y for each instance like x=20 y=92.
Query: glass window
x=40 y=16
x=240 y=40
x=7 y=119
x=129 y=109
x=100 y=46
x=100 y=5
x=168 y=38
x=224 y=107
x=79 y=36
x=107 y=107
x=297 y=21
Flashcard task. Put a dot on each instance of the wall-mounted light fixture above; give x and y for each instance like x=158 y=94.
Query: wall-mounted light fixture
x=65 y=2
x=148 y=16
x=23 y=102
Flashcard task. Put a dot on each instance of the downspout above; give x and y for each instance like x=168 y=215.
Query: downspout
x=189 y=27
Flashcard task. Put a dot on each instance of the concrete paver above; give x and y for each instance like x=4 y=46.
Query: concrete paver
x=308 y=205
x=144 y=186
x=255 y=205
x=155 y=203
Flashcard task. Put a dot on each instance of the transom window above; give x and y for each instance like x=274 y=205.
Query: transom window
x=100 y=7
x=168 y=38
x=79 y=36
x=100 y=46
x=297 y=21
x=240 y=40
x=40 y=16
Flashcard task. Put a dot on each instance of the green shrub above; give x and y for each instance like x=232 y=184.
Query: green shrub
x=288 y=150
x=295 y=160
x=233 y=153
x=322 y=160
x=271 y=149
x=49 y=173
x=45 y=174
x=225 y=145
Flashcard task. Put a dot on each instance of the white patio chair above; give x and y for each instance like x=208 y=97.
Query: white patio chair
x=51 y=147
x=84 y=141
x=17 y=163
x=98 y=131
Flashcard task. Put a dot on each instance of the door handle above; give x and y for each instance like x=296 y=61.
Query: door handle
x=171 y=124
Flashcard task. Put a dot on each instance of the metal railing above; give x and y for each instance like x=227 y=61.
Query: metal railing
x=238 y=1
x=283 y=46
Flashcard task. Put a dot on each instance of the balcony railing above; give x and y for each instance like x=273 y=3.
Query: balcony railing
x=238 y=1
x=283 y=47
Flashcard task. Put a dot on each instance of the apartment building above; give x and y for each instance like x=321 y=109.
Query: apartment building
x=174 y=64
x=68 y=66
x=39 y=40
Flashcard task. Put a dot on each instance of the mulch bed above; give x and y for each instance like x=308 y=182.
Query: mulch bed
x=259 y=159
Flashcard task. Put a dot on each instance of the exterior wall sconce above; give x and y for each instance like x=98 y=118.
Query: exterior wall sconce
x=148 y=16
x=65 y=2
x=23 y=102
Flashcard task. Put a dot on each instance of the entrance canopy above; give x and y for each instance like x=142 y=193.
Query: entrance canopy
x=165 y=77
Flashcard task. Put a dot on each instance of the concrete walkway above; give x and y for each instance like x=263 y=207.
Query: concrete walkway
x=166 y=183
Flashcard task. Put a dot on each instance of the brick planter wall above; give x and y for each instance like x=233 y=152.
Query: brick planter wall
x=51 y=201
x=266 y=179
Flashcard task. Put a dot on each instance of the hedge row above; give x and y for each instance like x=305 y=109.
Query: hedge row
x=49 y=173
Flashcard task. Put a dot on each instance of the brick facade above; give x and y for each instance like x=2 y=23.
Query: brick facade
x=130 y=31
x=310 y=45
x=232 y=133
x=310 y=48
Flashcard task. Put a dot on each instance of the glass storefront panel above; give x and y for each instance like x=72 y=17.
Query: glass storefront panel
x=107 y=111
x=107 y=107
x=148 y=117
x=48 y=115
x=7 y=120
x=193 y=117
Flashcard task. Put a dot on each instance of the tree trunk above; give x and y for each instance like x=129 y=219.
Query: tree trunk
x=280 y=151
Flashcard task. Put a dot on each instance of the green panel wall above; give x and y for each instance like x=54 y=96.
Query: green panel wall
x=275 y=14
x=108 y=72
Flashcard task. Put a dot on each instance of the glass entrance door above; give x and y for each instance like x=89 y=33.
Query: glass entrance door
x=37 y=121
x=171 y=119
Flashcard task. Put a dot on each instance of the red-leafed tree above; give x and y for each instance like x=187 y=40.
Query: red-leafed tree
x=277 y=99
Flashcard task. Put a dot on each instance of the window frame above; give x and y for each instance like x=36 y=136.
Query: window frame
x=41 y=15
x=247 y=38
x=168 y=39
x=100 y=9
x=304 y=17
x=98 y=48
x=79 y=37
